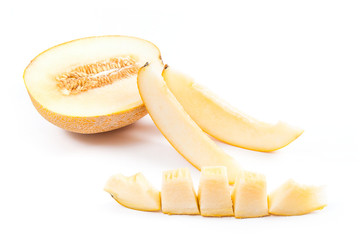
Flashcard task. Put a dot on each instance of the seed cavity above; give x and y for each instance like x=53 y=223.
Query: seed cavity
x=95 y=75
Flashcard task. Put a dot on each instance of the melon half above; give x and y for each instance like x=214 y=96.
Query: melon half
x=89 y=85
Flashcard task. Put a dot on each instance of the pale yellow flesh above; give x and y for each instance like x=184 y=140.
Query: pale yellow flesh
x=134 y=192
x=177 y=126
x=292 y=198
x=249 y=195
x=214 y=193
x=177 y=193
x=222 y=121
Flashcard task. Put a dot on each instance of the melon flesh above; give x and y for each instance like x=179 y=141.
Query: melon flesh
x=97 y=109
x=177 y=126
x=292 y=198
x=214 y=192
x=177 y=193
x=224 y=122
x=134 y=192
x=249 y=195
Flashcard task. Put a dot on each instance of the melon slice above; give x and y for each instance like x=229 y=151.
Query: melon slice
x=134 y=192
x=292 y=198
x=214 y=192
x=222 y=121
x=249 y=195
x=89 y=85
x=177 y=193
x=177 y=126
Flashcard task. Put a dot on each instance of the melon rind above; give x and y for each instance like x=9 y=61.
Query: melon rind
x=95 y=124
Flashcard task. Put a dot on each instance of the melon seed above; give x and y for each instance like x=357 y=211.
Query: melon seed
x=95 y=75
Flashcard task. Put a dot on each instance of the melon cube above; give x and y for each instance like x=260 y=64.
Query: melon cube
x=177 y=193
x=249 y=195
x=214 y=192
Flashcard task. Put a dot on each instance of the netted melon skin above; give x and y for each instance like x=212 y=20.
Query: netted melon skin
x=94 y=124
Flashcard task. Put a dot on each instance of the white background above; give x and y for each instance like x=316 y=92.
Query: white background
x=296 y=61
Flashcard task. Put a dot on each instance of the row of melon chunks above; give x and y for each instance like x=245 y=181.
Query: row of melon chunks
x=248 y=197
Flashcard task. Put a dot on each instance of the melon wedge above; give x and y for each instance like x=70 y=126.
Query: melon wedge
x=177 y=193
x=292 y=198
x=214 y=192
x=249 y=195
x=134 y=192
x=222 y=121
x=89 y=85
x=177 y=126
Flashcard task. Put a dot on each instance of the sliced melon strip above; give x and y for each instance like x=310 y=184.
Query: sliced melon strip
x=222 y=121
x=292 y=198
x=177 y=126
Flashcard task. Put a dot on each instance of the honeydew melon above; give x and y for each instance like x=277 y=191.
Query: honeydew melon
x=89 y=85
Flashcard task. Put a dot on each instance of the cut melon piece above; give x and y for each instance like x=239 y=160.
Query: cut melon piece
x=177 y=126
x=134 y=192
x=89 y=85
x=177 y=193
x=214 y=192
x=292 y=198
x=222 y=121
x=249 y=195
